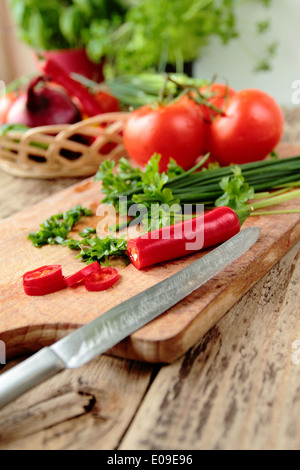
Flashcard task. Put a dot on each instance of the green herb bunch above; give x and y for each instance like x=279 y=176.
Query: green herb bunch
x=133 y=35
x=64 y=24
x=145 y=190
x=157 y=34
x=233 y=186
x=163 y=195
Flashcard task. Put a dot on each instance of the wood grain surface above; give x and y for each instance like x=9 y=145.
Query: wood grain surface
x=236 y=389
x=90 y=409
x=28 y=323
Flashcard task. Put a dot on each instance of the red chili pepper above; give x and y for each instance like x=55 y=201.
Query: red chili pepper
x=91 y=105
x=44 y=290
x=44 y=280
x=108 y=102
x=164 y=244
x=80 y=275
x=44 y=275
x=101 y=279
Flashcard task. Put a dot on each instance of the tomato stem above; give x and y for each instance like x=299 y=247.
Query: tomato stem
x=193 y=94
x=202 y=100
x=162 y=93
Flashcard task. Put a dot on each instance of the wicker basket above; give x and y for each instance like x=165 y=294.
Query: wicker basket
x=64 y=150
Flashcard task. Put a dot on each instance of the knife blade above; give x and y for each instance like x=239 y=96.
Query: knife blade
x=101 y=334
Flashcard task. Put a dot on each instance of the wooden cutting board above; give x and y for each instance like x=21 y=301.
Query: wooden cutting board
x=29 y=323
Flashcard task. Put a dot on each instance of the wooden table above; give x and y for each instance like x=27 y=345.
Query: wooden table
x=238 y=388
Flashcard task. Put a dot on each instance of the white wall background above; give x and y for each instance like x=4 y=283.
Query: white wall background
x=236 y=63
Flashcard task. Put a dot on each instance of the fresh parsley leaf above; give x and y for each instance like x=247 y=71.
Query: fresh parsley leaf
x=151 y=177
x=106 y=168
x=160 y=215
x=145 y=188
x=100 y=249
x=237 y=192
x=127 y=172
x=212 y=166
x=158 y=200
x=117 y=181
x=174 y=169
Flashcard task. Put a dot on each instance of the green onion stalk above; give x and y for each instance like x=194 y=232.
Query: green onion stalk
x=250 y=186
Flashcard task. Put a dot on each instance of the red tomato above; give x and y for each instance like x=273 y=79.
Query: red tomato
x=218 y=95
x=5 y=105
x=174 y=131
x=248 y=131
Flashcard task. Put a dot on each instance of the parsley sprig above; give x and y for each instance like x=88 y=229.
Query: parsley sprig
x=99 y=249
x=145 y=189
x=237 y=192
x=117 y=182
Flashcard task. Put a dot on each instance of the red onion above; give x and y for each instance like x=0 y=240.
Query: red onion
x=42 y=107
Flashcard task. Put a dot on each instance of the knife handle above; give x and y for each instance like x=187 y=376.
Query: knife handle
x=21 y=378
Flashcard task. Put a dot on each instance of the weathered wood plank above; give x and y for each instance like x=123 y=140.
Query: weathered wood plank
x=17 y=194
x=238 y=388
x=88 y=408
x=243 y=349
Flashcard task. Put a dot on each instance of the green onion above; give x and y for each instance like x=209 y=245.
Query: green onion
x=234 y=185
x=55 y=229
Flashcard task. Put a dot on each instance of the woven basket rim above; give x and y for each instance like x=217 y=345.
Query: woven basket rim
x=54 y=151
x=120 y=115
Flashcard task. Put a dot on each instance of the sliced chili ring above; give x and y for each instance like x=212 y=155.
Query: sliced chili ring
x=80 y=275
x=43 y=276
x=44 y=289
x=102 y=279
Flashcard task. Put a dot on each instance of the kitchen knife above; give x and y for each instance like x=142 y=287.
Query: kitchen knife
x=110 y=328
